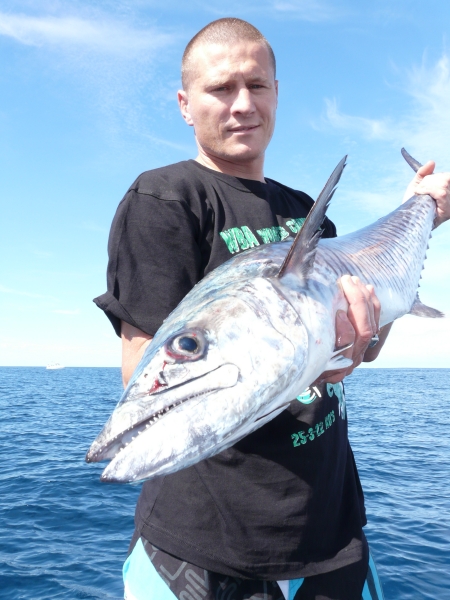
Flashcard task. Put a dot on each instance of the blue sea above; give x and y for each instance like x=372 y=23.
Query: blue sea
x=63 y=534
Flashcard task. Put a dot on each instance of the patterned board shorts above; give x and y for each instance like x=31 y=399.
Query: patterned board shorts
x=181 y=581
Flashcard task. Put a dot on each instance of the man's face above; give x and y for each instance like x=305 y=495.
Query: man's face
x=231 y=100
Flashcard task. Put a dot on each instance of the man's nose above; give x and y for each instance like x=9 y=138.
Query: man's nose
x=243 y=101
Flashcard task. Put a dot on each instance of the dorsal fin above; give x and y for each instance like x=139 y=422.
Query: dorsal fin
x=412 y=162
x=300 y=257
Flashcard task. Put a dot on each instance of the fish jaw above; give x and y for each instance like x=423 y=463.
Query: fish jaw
x=192 y=431
x=209 y=403
x=200 y=426
x=143 y=405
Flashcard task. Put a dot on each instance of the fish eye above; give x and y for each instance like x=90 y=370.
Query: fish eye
x=188 y=344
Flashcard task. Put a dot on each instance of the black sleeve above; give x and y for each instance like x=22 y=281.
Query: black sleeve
x=329 y=228
x=154 y=261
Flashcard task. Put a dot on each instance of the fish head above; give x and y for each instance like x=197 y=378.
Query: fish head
x=211 y=375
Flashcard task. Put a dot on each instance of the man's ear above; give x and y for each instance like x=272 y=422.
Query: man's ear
x=183 y=103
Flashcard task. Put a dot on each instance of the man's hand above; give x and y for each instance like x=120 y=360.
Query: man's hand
x=436 y=185
x=356 y=327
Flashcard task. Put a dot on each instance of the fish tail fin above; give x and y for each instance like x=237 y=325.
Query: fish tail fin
x=421 y=310
x=412 y=162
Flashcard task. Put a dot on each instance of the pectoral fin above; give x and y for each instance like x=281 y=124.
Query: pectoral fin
x=338 y=362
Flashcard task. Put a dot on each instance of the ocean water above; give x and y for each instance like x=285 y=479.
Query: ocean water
x=63 y=534
x=399 y=424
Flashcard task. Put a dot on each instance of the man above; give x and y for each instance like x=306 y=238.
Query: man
x=266 y=518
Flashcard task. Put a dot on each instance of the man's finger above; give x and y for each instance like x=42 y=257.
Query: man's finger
x=437 y=185
x=360 y=310
x=425 y=170
x=345 y=332
x=345 y=336
x=412 y=189
x=376 y=304
x=367 y=293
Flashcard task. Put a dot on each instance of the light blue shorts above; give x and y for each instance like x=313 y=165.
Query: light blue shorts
x=142 y=581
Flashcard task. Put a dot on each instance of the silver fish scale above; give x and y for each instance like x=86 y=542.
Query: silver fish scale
x=389 y=254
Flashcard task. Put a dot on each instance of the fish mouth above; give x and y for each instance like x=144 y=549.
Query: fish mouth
x=228 y=377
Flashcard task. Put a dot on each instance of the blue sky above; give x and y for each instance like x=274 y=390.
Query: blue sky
x=88 y=101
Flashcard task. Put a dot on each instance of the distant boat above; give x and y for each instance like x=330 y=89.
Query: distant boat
x=54 y=366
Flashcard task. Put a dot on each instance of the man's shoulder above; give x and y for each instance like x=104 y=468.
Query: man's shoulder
x=298 y=193
x=175 y=182
x=327 y=225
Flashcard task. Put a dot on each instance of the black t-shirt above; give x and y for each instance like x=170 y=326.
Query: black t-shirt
x=286 y=501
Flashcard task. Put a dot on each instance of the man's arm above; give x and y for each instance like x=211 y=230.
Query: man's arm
x=134 y=343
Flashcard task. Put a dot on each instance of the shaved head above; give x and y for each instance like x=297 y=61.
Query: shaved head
x=224 y=32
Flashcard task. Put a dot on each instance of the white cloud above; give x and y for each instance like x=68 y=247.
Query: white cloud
x=416 y=343
x=6 y=290
x=312 y=10
x=427 y=125
x=113 y=63
x=305 y=10
x=424 y=126
x=377 y=184
x=188 y=149
x=103 y=36
x=92 y=226
x=42 y=253
x=367 y=128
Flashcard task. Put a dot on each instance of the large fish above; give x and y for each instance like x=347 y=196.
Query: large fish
x=254 y=334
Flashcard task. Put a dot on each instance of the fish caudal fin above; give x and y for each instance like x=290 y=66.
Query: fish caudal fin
x=421 y=310
x=300 y=257
x=412 y=162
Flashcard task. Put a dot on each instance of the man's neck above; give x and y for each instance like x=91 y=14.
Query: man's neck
x=251 y=170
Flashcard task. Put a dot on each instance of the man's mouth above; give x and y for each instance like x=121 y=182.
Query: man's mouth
x=243 y=128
